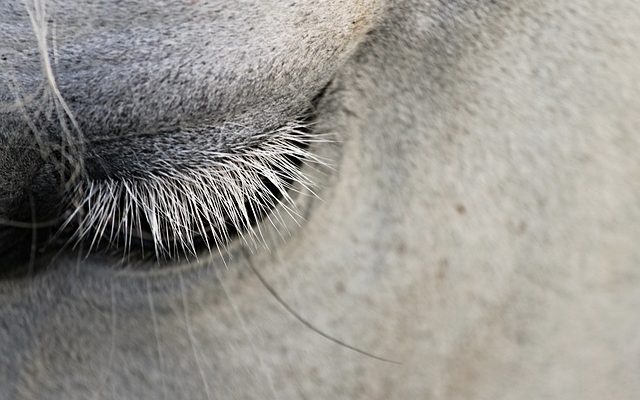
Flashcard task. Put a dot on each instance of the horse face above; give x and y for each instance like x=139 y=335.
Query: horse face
x=475 y=166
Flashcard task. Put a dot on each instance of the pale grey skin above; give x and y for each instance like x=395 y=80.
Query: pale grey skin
x=481 y=224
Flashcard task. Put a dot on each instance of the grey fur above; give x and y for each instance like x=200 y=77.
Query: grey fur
x=481 y=223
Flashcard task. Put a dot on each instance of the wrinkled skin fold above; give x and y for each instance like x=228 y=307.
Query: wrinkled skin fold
x=479 y=222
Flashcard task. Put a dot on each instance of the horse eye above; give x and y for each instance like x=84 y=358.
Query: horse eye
x=176 y=210
x=173 y=211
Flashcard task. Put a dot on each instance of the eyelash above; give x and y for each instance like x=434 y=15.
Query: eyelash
x=184 y=212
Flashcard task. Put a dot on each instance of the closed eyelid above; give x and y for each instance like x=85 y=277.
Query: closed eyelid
x=205 y=104
x=176 y=211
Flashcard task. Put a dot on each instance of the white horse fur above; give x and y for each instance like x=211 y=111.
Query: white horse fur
x=477 y=171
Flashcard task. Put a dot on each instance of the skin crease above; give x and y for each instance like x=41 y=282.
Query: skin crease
x=480 y=224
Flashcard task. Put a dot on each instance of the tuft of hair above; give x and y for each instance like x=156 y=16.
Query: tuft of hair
x=71 y=148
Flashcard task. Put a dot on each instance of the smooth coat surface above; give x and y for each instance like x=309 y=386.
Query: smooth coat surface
x=481 y=225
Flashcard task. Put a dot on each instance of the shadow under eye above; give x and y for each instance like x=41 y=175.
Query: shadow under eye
x=28 y=220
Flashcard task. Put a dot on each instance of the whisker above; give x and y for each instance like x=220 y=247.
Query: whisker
x=154 y=321
x=192 y=339
x=306 y=323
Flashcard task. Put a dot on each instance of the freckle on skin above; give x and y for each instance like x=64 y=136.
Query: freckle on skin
x=521 y=228
x=461 y=209
x=441 y=272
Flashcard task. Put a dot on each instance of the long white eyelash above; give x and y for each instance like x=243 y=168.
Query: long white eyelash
x=183 y=206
